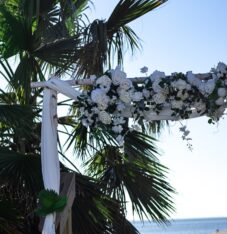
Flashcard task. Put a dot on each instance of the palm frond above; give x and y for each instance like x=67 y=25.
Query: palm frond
x=138 y=172
x=19 y=171
x=128 y=10
x=94 y=212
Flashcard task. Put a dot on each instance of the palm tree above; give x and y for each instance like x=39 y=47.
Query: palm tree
x=55 y=36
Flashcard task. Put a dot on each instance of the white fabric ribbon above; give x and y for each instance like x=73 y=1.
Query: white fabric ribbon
x=49 y=151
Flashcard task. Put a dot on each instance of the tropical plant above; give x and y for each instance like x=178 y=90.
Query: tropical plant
x=38 y=37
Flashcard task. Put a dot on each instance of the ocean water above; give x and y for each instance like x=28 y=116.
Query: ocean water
x=184 y=226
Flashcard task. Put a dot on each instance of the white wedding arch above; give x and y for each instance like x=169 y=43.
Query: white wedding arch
x=114 y=99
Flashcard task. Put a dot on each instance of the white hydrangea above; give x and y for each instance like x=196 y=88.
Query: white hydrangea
x=117 y=129
x=179 y=84
x=137 y=96
x=220 y=101
x=104 y=117
x=117 y=75
x=156 y=87
x=157 y=75
x=125 y=84
x=104 y=83
x=159 y=98
x=103 y=105
x=222 y=92
x=166 y=113
x=177 y=104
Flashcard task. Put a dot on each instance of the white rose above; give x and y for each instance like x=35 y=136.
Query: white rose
x=104 y=83
x=97 y=95
x=179 y=84
x=125 y=84
x=137 y=96
x=159 y=98
x=117 y=129
x=117 y=75
x=222 y=92
x=104 y=117
x=177 y=104
x=220 y=101
x=125 y=96
x=157 y=75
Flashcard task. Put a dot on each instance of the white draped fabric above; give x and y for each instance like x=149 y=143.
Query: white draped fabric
x=49 y=152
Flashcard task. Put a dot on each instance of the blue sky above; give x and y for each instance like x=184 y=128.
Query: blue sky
x=180 y=36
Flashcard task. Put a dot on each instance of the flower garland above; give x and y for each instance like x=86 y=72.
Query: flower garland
x=114 y=99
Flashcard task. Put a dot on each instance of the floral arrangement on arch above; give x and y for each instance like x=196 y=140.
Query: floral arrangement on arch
x=114 y=99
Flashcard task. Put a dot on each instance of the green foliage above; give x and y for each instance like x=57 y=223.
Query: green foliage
x=49 y=202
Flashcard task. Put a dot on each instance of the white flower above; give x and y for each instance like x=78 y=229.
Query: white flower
x=124 y=96
x=103 y=105
x=199 y=105
x=182 y=95
x=156 y=87
x=118 y=120
x=144 y=69
x=128 y=111
x=117 y=75
x=177 y=104
x=192 y=79
x=222 y=68
x=104 y=117
x=95 y=110
x=120 y=106
x=146 y=93
x=179 y=84
x=97 y=95
x=125 y=84
x=210 y=86
x=117 y=129
x=157 y=75
x=159 y=98
x=137 y=96
x=220 y=101
x=120 y=140
x=104 y=83
x=222 y=92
